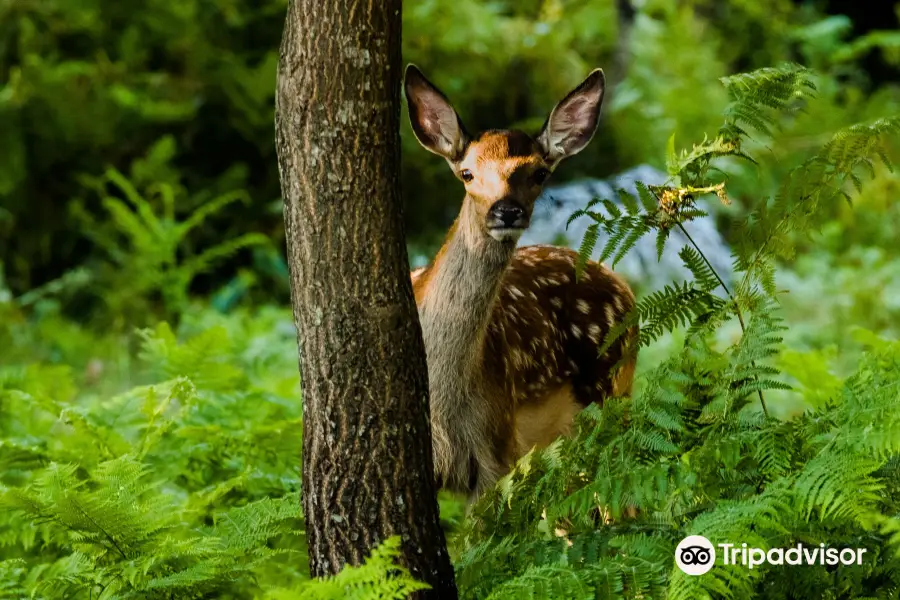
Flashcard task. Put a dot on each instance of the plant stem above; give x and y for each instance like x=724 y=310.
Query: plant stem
x=737 y=309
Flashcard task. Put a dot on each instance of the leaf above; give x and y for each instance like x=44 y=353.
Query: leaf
x=588 y=243
x=672 y=165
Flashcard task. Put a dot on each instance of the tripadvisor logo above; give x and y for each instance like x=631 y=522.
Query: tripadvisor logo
x=695 y=555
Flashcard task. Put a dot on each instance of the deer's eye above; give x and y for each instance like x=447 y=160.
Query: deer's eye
x=466 y=175
x=540 y=176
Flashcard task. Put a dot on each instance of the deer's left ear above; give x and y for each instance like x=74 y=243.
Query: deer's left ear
x=436 y=125
x=573 y=121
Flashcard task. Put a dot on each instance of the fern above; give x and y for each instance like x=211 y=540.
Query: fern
x=379 y=577
x=150 y=248
x=770 y=229
x=705 y=277
x=182 y=488
x=757 y=99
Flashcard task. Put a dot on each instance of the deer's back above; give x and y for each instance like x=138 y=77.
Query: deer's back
x=547 y=328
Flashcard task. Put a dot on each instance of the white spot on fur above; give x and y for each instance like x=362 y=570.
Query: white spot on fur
x=594 y=333
x=557 y=302
x=583 y=306
x=520 y=359
x=576 y=331
x=515 y=292
x=610 y=315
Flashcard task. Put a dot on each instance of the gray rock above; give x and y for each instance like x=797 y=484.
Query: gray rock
x=640 y=265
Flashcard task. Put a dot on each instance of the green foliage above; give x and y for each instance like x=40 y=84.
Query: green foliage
x=149 y=251
x=186 y=487
x=379 y=578
x=95 y=84
x=126 y=536
x=767 y=233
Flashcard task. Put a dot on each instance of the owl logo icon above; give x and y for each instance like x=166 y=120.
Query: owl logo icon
x=695 y=555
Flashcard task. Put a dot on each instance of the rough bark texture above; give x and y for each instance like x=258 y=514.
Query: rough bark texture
x=367 y=458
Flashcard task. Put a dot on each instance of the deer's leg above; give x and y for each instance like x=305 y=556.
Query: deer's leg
x=493 y=448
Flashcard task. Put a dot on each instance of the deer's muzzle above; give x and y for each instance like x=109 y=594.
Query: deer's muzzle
x=506 y=220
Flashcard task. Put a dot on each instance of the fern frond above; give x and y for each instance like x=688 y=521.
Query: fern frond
x=380 y=576
x=586 y=249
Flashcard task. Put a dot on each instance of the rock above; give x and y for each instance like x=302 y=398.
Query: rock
x=640 y=265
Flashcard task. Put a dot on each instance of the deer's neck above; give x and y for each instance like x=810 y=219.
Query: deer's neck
x=462 y=290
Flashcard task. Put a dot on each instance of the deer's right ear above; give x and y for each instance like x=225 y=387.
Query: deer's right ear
x=573 y=121
x=436 y=125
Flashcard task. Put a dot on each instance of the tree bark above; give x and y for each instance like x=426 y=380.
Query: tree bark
x=367 y=458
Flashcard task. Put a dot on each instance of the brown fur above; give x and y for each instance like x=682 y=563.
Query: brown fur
x=498 y=144
x=540 y=422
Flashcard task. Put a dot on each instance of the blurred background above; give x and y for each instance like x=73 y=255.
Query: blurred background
x=138 y=177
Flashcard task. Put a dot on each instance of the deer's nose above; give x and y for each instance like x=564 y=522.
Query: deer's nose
x=507 y=214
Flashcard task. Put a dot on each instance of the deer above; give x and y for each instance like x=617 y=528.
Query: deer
x=512 y=338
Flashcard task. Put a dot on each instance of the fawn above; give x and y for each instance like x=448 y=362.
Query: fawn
x=512 y=340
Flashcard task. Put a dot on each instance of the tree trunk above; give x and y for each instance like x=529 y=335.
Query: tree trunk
x=367 y=458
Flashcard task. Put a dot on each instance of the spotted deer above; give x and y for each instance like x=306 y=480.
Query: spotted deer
x=512 y=339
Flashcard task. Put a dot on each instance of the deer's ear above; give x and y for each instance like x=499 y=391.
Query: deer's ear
x=436 y=125
x=573 y=121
